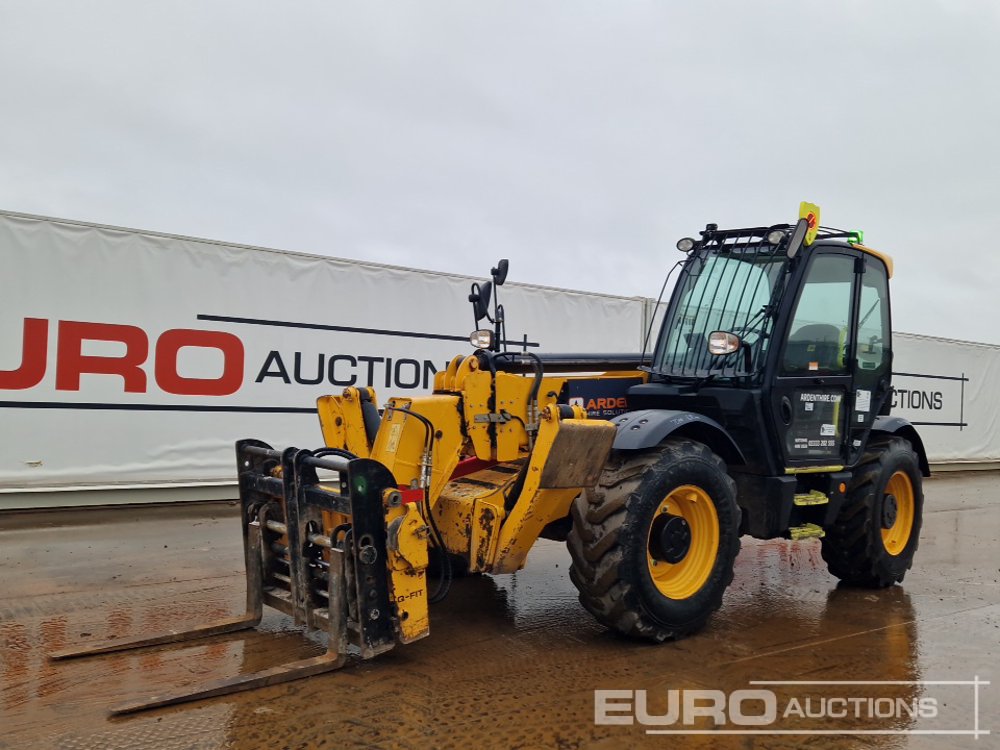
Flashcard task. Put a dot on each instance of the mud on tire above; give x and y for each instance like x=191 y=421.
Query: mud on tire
x=855 y=547
x=611 y=537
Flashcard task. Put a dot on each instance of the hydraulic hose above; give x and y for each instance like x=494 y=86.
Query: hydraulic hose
x=444 y=584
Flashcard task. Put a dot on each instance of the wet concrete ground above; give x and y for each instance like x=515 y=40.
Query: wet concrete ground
x=512 y=662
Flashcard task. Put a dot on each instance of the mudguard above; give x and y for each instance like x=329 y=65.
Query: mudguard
x=902 y=427
x=647 y=428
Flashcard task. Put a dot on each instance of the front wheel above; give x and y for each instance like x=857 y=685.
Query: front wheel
x=875 y=536
x=653 y=545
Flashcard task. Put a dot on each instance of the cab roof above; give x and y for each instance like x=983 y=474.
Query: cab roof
x=825 y=235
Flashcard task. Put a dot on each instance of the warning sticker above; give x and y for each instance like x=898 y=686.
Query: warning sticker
x=828 y=430
x=862 y=400
x=395 y=432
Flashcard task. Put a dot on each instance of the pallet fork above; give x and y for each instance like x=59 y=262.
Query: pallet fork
x=336 y=583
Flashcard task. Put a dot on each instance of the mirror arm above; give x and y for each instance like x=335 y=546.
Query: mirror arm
x=499 y=330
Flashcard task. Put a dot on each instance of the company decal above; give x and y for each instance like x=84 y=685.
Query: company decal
x=71 y=352
x=815 y=428
x=603 y=399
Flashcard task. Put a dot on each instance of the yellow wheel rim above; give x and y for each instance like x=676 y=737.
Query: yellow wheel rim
x=896 y=537
x=684 y=578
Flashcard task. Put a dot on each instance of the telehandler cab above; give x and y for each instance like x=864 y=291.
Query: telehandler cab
x=763 y=410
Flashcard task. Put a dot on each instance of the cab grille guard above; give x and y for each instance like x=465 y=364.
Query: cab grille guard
x=722 y=301
x=336 y=583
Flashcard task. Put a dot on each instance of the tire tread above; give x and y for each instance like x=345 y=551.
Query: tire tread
x=599 y=516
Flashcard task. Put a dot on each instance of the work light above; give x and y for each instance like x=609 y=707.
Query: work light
x=723 y=342
x=482 y=339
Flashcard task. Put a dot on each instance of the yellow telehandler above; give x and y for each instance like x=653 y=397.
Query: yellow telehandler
x=763 y=410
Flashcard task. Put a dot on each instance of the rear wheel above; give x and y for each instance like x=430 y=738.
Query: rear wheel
x=653 y=544
x=875 y=536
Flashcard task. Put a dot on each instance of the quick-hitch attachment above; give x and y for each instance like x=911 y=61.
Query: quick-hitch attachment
x=342 y=555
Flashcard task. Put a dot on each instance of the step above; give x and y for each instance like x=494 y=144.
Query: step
x=806 y=531
x=813 y=497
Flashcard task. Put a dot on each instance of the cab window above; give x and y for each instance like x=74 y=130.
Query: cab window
x=873 y=344
x=819 y=334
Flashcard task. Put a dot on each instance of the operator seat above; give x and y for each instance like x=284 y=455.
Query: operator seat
x=817 y=342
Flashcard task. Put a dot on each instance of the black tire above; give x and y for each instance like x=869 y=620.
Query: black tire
x=610 y=538
x=854 y=548
x=459 y=565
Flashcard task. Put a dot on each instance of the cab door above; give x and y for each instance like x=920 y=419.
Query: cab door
x=811 y=392
x=872 y=355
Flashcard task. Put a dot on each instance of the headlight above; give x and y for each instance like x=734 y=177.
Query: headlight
x=776 y=236
x=685 y=245
x=723 y=342
x=482 y=339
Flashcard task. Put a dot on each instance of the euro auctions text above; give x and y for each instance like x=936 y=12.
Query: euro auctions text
x=749 y=708
x=945 y=707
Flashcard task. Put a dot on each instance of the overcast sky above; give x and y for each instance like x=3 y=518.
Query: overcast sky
x=579 y=139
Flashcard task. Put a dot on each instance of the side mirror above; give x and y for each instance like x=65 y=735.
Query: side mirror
x=723 y=342
x=499 y=273
x=480 y=299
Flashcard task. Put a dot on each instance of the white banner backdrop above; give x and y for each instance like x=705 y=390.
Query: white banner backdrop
x=950 y=390
x=134 y=358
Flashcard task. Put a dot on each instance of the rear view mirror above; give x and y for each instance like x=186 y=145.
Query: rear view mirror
x=480 y=299
x=499 y=273
x=798 y=237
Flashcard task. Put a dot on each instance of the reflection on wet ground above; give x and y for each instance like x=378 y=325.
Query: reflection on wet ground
x=512 y=661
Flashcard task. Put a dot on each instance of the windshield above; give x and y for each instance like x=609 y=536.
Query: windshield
x=722 y=288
